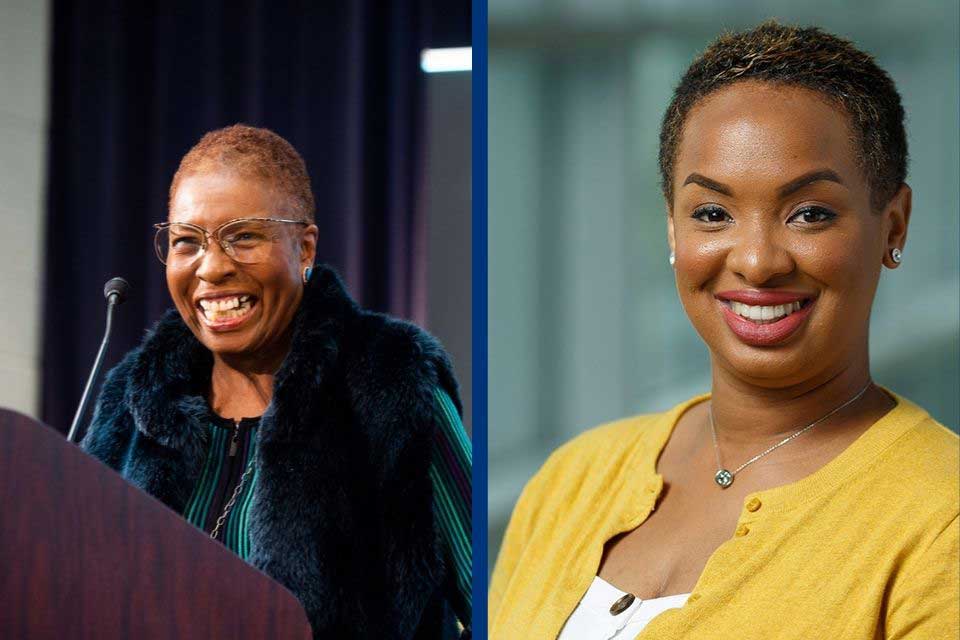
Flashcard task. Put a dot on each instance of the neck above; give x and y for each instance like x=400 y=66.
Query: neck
x=745 y=413
x=241 y=386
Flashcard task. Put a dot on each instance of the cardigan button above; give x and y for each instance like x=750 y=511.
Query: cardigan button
x=742 y=530
x=753 y=505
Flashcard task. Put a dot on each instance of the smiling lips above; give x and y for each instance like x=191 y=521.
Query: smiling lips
x=765 y=318
x=225 y=312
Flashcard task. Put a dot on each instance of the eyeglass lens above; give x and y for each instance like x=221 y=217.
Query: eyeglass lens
x=246 y=241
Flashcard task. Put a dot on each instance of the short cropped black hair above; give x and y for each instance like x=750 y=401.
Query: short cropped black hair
x=805 y=57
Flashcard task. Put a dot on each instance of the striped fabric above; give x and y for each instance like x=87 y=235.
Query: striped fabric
x=220 y=477
x=450 y=473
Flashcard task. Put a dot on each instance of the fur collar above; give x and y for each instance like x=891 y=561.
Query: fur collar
x=170 y=373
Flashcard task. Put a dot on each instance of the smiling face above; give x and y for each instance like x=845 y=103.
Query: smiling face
x=778 y=252
x=265 y=295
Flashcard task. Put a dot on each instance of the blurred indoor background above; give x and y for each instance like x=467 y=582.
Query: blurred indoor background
x=585 y=325
x=100 y=100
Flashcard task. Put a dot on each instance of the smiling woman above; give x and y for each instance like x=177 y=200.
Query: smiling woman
x=320 y=442
x=798 y=499
x=769 y=214
x=261 y=258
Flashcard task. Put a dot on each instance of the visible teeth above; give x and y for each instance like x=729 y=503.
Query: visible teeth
x=222 y=304
x=764 y=314
x=225 y=308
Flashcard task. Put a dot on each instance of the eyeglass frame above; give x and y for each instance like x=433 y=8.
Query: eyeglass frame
x=214 y=235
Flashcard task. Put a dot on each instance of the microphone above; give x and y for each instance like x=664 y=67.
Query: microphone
x=115 y=291
x=118 y=288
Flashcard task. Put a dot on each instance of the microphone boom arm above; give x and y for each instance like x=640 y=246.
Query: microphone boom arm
x=85 y=398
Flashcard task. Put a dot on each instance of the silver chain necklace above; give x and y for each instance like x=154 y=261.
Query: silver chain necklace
x=233 y=498
x=724 y=478
x=239 y=488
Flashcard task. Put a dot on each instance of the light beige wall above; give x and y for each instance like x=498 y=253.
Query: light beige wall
x=24 y=40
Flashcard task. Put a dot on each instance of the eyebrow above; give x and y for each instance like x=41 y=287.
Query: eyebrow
x=785 y=190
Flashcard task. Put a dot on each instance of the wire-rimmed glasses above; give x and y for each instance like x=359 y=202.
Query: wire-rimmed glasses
x=245 y=240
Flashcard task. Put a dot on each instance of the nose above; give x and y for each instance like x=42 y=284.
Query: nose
x=215 y=265
x=759 y=256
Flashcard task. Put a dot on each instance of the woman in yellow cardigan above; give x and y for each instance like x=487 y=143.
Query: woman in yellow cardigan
x=798 y=499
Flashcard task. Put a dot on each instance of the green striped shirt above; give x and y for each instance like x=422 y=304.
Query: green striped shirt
x=450 y=474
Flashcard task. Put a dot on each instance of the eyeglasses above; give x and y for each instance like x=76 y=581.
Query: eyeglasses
x=245 y=240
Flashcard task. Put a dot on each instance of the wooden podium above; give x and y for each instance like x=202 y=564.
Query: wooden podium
x=85 y=555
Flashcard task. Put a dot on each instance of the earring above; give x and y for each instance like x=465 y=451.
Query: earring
x=673 y=258
x=896 y=255
x=307 y=272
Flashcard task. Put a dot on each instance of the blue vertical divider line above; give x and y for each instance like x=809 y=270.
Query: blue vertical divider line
x=479 y=239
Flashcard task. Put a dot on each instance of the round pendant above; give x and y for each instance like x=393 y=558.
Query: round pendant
x=723 y=478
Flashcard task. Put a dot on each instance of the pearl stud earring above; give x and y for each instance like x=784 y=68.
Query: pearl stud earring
x=673 y=258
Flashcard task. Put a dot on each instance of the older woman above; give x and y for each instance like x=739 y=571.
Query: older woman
x=798 y=499
x=320 y=442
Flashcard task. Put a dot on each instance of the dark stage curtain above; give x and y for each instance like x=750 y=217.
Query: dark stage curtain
x=136 y=84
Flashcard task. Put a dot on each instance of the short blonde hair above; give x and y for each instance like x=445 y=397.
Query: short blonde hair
x=252 y=152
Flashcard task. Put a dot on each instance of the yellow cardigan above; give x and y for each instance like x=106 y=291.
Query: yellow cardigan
x=865 y=547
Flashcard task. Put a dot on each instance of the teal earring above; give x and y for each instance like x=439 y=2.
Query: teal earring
x=307 y=272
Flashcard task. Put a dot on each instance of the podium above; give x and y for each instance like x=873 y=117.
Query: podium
x=86 y=555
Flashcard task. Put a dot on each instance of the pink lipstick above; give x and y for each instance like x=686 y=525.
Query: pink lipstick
x=765 y=318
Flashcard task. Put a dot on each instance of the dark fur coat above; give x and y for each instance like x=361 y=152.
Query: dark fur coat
x=342 y=514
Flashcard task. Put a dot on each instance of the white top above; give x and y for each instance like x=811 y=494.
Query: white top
x=592 y=620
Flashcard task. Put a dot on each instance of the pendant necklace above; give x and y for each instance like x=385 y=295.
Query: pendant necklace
x=724 y=478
